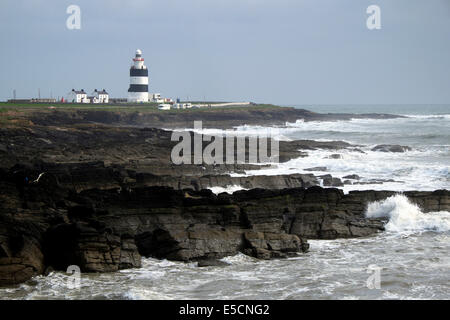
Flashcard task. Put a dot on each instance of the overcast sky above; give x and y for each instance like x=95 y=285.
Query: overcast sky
x=280 y=51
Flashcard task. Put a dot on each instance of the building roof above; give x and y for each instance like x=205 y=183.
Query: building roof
x=79 y=92
x=101 y=92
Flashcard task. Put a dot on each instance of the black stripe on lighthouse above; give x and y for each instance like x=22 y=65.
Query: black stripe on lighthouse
x=138 y=88
x=138 y=72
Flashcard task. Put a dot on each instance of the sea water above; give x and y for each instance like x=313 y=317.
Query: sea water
x=425 y=129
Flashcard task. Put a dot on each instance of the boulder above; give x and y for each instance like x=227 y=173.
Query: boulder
x=391 y=148
x=265 y=245
x=329 y=181
x=352 y=176
x=334 y=156
x=211 y=263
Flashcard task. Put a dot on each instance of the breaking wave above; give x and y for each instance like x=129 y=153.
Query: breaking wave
x=406 y=216
x=228 y=189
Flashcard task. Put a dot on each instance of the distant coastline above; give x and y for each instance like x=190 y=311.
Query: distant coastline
x=148 y=115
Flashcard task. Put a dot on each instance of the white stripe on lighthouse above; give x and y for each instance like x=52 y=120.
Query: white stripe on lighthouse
x=138 y=80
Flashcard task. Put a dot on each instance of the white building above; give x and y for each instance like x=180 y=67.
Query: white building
x=100 y=96
x=78 y=96
x=81 y=96
x=138 y=91
x=156 y=97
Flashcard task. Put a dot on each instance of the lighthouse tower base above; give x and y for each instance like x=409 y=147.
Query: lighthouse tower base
x=137 y=97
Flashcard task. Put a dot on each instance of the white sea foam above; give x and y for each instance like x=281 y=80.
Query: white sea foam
x=405 y=216
x=426 y=167
x=228 y=189
x=429 y=116
x=239 y=259
x=414 y=170
x=277 y=133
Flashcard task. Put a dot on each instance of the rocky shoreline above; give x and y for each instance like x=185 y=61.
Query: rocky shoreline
x=97 y=189
x=44 y=225
x=222 y=118
x=136 y=157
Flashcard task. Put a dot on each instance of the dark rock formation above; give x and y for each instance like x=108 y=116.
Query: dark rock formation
x=391 y=148
x=88 y=156
x=334 y=156
x=211 y=118
x=317 y=169
x=265 y=245
x=46 y=223
x=329 y=181
x=20 y=251
x=352 y=176
x=211 y=263
x=92 y=248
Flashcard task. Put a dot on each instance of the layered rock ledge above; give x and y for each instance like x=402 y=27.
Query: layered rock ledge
x=45 y=224
x=93 y=156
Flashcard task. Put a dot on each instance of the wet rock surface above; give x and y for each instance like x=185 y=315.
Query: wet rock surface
x=46 y=224
x=330 y=181
x=211 y=118
x=391 y=148
x=211 y=263
x=92 y=156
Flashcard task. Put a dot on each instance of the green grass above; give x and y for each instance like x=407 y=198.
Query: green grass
x=7 y=106
x=18 y=113
x=147 y=107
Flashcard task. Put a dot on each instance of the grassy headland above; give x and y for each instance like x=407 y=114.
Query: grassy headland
x=20 y=113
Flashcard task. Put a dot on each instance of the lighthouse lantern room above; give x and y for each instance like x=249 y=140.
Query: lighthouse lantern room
x=138 y=91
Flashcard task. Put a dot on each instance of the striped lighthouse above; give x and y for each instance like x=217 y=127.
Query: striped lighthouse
x=138 y=91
